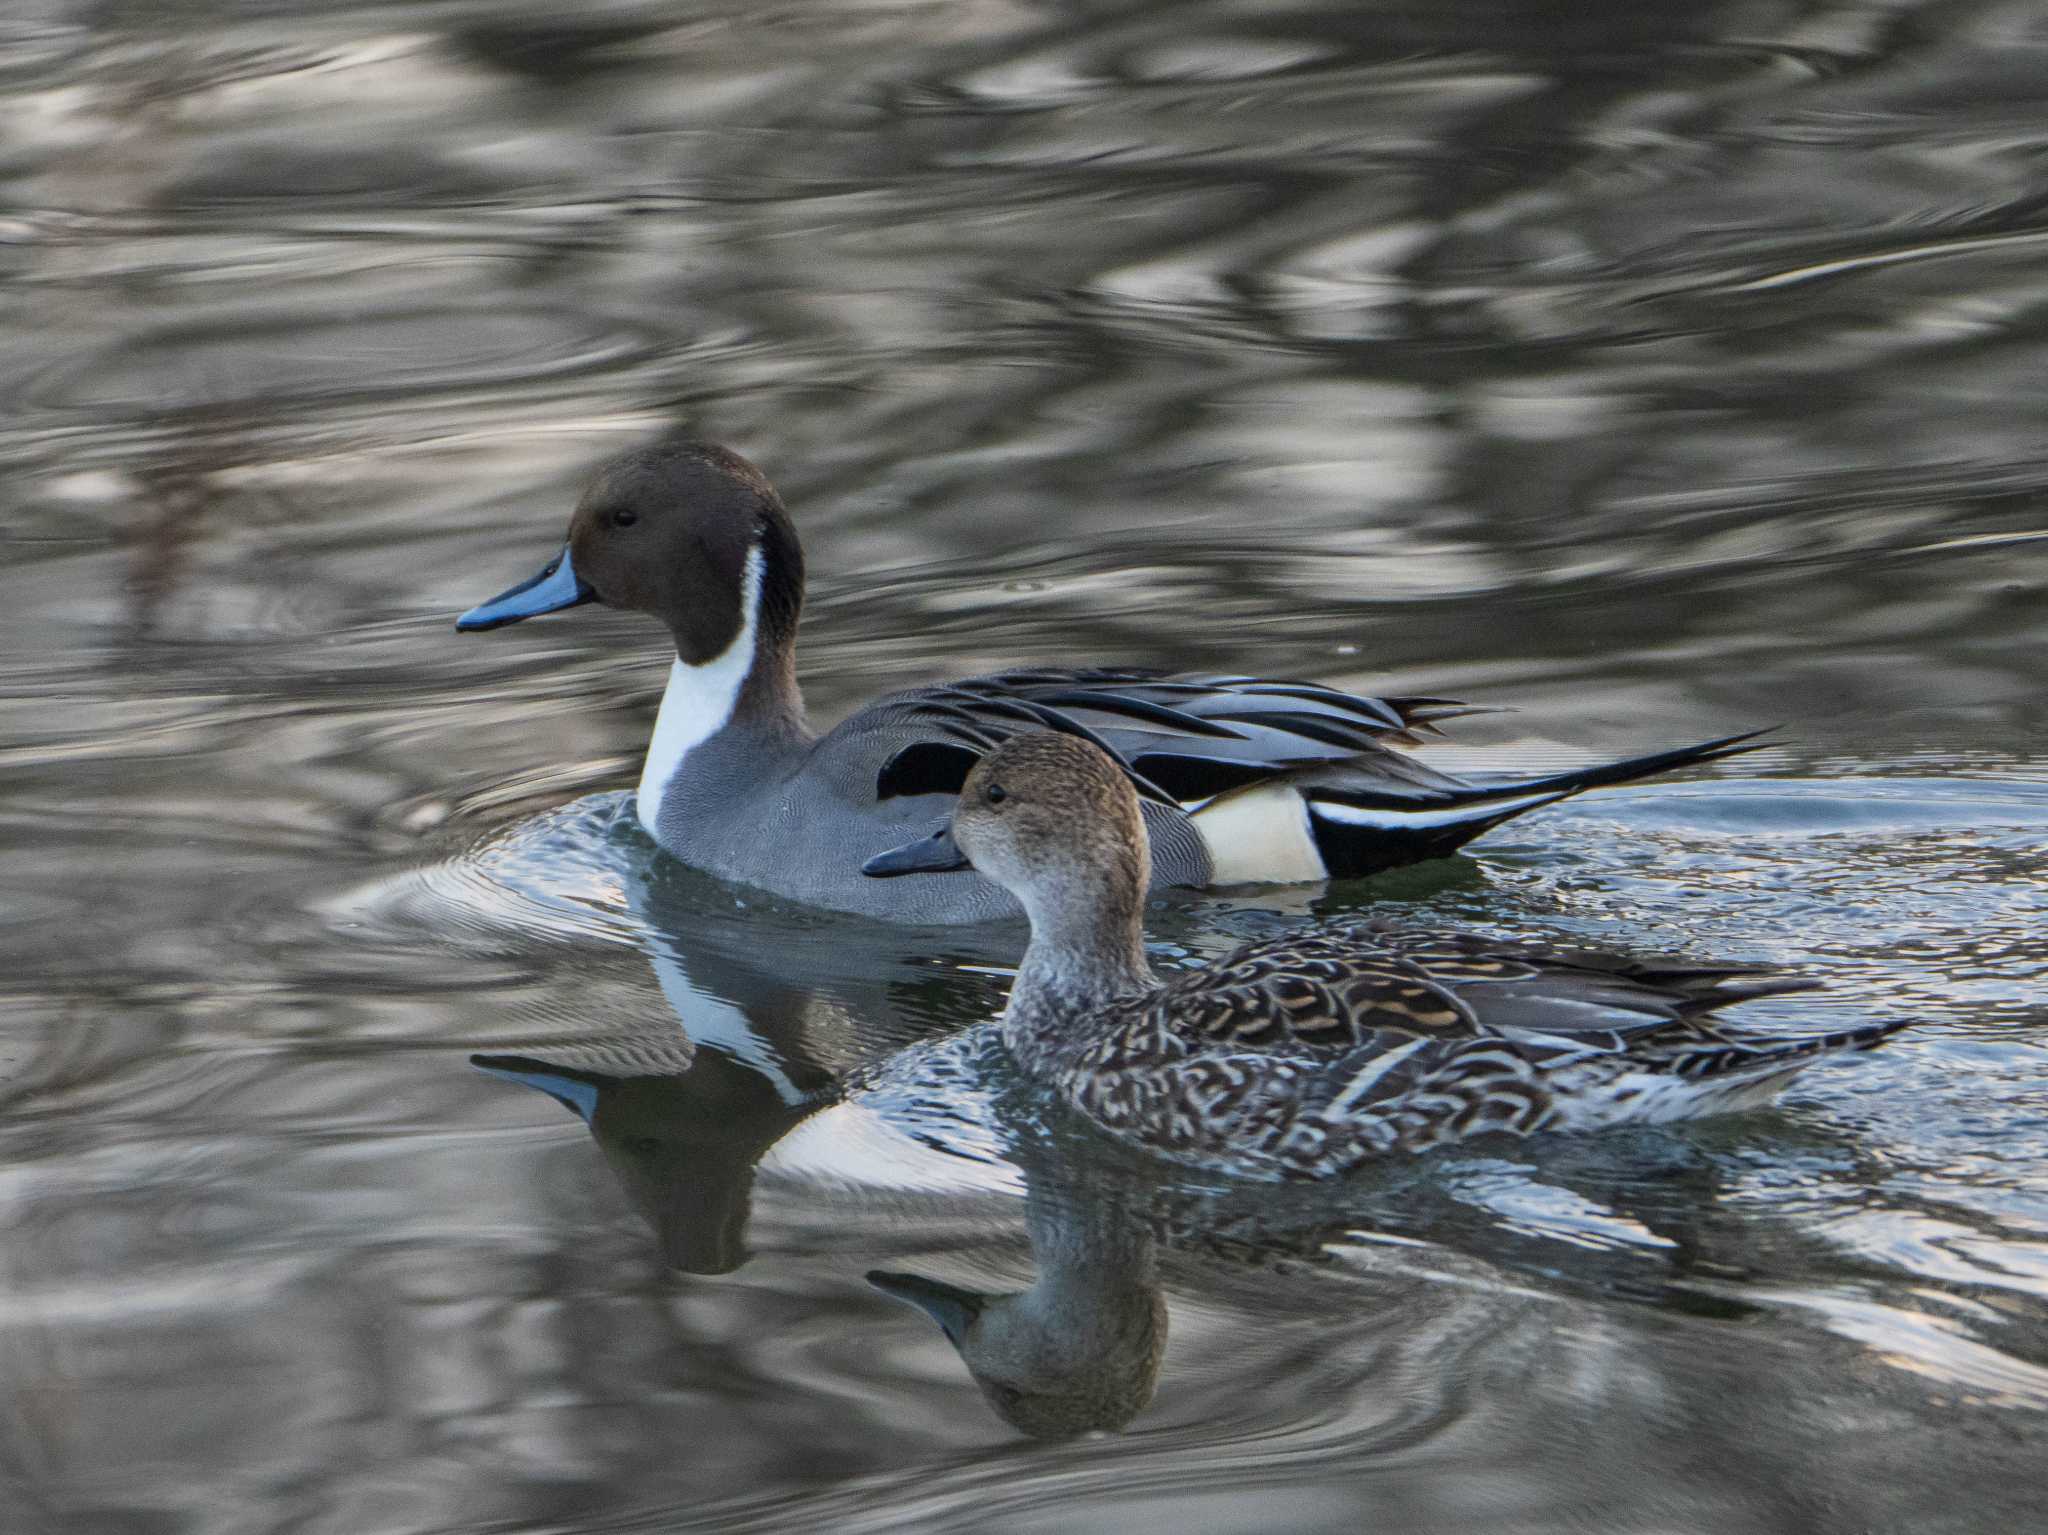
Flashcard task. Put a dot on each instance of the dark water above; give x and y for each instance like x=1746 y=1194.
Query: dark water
x=1661 y=370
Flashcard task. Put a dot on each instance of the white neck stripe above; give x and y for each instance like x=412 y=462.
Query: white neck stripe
x=699 y=700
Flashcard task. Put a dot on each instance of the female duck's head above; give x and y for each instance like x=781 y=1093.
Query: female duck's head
x=1072 y=1355
x=1053 y=820
x=686 y=531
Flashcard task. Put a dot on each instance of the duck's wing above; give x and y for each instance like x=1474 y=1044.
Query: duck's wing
x=1561 y=1038
x=1307 y=1055
x=1331 y=992
x=1285 y=781
x=1581 y=997
x=1182 y=738
x=1303 y=1001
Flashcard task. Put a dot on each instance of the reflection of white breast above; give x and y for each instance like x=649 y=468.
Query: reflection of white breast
x=858 y=1145
x=711 y=1020
x=922 y=1121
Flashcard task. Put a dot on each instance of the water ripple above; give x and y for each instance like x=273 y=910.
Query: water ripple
x=1656 y=371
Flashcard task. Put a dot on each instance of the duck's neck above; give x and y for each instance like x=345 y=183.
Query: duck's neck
x=1087 y=947
x=1095 y=1307
x=1085 y=1245
x=731 y=719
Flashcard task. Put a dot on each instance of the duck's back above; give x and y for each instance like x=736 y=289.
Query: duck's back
x=801 y=819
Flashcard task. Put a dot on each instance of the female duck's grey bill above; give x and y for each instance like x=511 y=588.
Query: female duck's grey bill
x=953 y=1308
x=556 y=587
x=936 y=854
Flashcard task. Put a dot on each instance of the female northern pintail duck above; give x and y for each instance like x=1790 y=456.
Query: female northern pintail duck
x=1079 y=1351
x=1246 y=780
x=1304 y=1056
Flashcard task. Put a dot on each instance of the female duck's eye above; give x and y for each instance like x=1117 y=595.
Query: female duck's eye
x=624 y=517
x=995 y=794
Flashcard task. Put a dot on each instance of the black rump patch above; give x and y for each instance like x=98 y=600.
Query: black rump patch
x=926 y=767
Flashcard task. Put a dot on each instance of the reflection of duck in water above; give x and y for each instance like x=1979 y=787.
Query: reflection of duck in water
x=685 y=1107
x=1080 y=1350
x=1312 y=1054
x=684 y=1146
x=762 y=1016
x=1461 y=1258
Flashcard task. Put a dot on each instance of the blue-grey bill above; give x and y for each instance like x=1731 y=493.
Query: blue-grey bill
x=556 y=587
x=573 y=1093
x=936 y=854
x=950 y=1306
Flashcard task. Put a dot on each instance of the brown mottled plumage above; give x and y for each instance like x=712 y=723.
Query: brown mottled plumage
x=1306 y=1055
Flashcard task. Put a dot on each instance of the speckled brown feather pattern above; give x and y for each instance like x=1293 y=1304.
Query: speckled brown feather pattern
x=1306 y=1055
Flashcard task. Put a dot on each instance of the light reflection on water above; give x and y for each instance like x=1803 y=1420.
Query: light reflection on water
x=1661 y=374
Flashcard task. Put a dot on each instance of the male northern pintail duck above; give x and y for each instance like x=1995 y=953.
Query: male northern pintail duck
x=1246 y=780
x=1306 y=1055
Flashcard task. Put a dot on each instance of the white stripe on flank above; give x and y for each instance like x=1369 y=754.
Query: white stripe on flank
x=1425 y=820
x=1259 y=835
x=1373 y=1070
x=699 y=700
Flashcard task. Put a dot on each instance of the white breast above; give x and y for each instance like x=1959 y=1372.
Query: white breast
x=699 y=700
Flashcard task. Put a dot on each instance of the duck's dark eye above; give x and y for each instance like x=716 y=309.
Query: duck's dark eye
x=995 y=794
x=624 y=517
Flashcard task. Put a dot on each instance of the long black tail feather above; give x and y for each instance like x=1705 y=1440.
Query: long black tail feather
x=1629 y=769
x=1364 y=833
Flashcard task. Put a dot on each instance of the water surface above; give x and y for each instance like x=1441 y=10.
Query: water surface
x=392 y=1141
